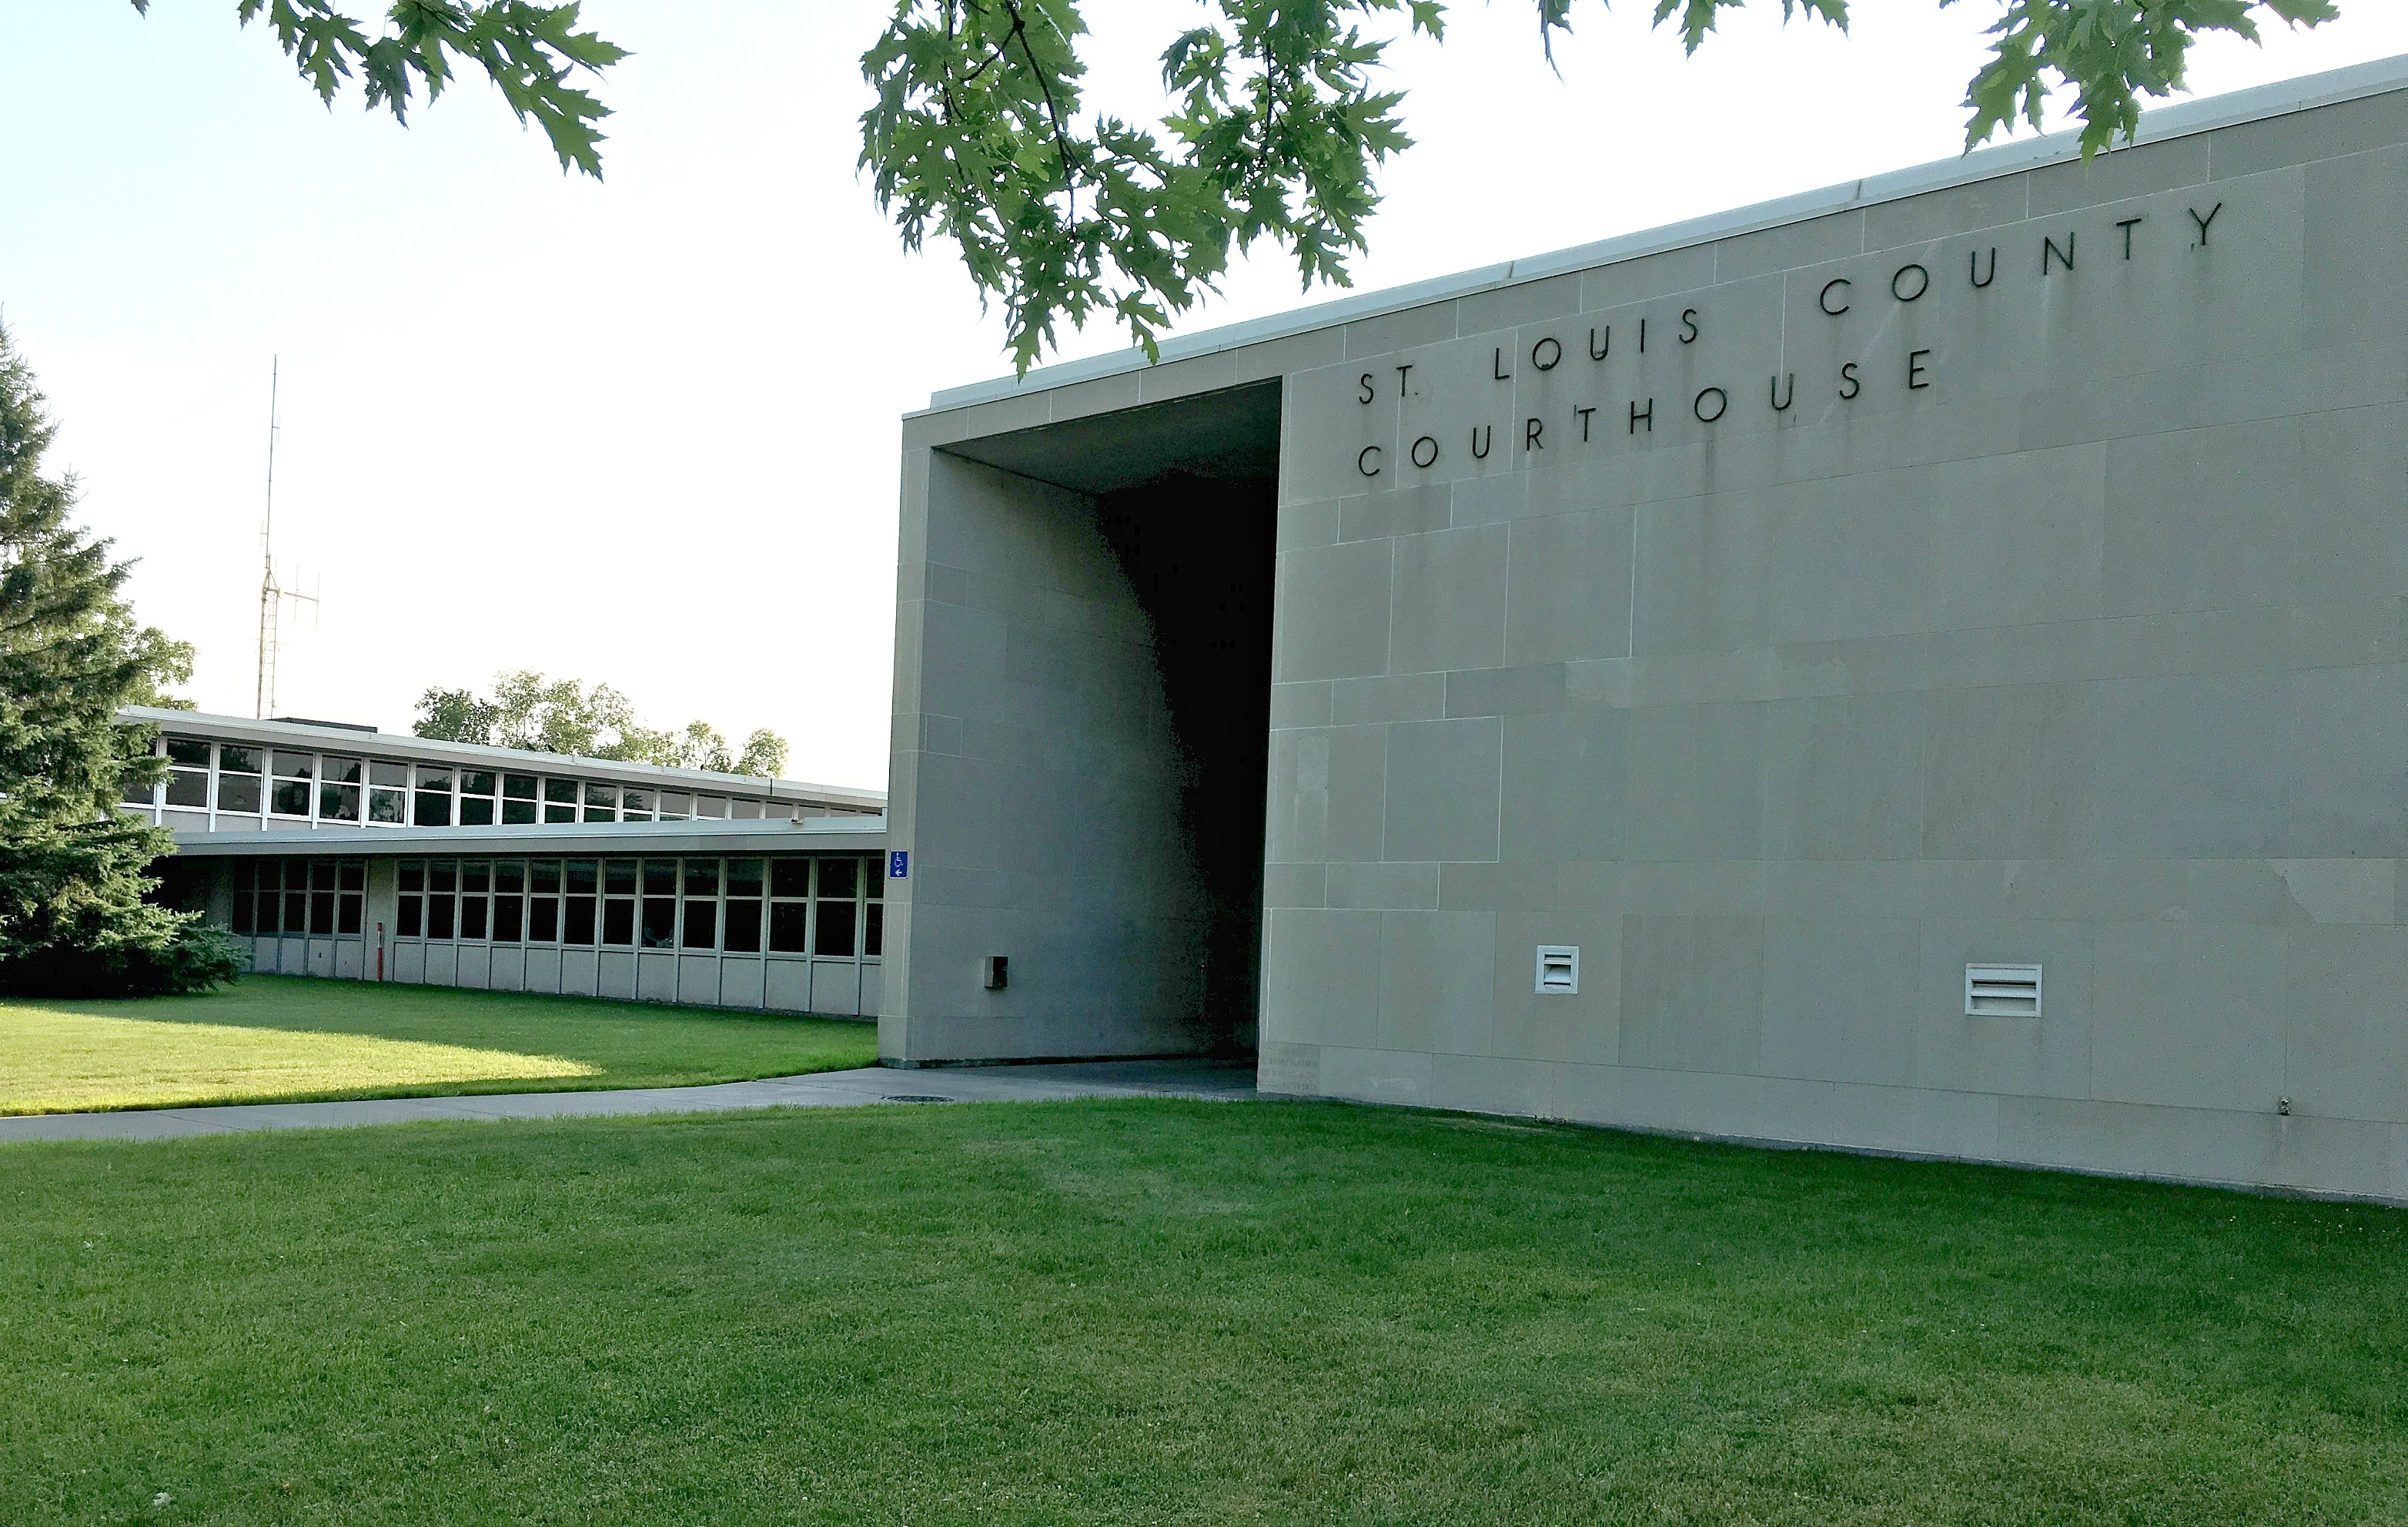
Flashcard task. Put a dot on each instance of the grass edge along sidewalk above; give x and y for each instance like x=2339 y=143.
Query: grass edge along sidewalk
x=293 y=1039
x=1148 y=1311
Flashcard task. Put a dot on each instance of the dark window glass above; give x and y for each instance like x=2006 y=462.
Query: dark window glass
x=873 y=931
x=676 y=803
x=438 y=917
x=407 y=924
x=509 y=875
x=619 y=877
x=543 y=919
x=701 y=877
x=341 y=770
x=633 y=801
x=476 y=782
x=396 y=775
x=518 y=812
x=660 y=877
x=238 y=792
x=321 y=875
x=701 y=925
x=579 y=910
x=137 y=794
x=353 y=876
x=743 y=932
x=186 y=788
x=835 y=929
x=388 y=806
x=242 y=909
x=518 y=786
x=295 y=765
x=582 y=875
x=187 y=750
x=443 y=876
x=412 y=875
x=560 y=814
x=296 y=911
x=560 y=790
x=339 y=802
x=271 y=905
x=472 y=917
x=599 y=794
x=743 y=877
x=476 y=812
x=543 y=877
x=660 y=922
x=238 y=760
x=349 y=921
x=506 y=918
x=789 y=927
x=434 y=808
x=618 y=920
x=433 y=779
x=837 y=878
x=291 y=799
x=790 y=877
x=476 y=878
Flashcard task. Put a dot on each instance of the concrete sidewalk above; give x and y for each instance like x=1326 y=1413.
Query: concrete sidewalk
x=1220 y=1079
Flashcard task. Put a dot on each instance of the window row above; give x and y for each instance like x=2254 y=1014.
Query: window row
x=338 y=790
x=830 y=907
x=299 y=896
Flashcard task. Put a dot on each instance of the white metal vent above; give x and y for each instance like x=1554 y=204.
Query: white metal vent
x=1558 y=970
x=2002 y=991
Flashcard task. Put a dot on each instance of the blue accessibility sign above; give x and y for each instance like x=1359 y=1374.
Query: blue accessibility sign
x=899 y=864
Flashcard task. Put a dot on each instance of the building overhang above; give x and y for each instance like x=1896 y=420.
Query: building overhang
x=814 y=835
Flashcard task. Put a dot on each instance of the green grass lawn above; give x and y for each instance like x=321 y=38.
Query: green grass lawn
x=1149 y=1311
x=280 y=1039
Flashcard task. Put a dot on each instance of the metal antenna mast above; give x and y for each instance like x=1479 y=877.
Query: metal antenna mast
x=272 y=594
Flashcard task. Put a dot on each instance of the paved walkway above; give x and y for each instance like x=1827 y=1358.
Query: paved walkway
x=1222 y=1079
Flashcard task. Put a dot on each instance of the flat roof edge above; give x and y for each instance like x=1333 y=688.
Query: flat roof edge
x=347 y=740
x=599 y=839
x=2177 y=119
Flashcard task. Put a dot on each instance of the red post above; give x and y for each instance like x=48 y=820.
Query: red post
x=379 y=951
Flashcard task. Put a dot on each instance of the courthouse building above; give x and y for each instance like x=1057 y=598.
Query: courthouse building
x=1922 y=666
x=347 y=852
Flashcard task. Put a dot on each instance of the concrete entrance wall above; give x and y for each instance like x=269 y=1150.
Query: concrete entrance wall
x=1037 y=776
x=1998 y=564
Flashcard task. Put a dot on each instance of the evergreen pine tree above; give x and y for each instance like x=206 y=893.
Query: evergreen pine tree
x=73 y=867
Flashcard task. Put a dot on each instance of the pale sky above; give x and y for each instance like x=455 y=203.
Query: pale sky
x=645 y=431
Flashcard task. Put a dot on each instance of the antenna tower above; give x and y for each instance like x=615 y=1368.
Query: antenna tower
x=272 y=594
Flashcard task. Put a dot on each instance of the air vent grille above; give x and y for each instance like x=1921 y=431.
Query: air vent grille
x=1558 y=970
x=2002 y=991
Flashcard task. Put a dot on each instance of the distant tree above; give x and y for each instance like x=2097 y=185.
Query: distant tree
x=74 y=869
x=455 y=715
x=562 y=715
x=765 y=754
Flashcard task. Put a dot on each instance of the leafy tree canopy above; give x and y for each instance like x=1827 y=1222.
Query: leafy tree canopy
x=75 y=881
x=563 y=715
x=979 y=133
